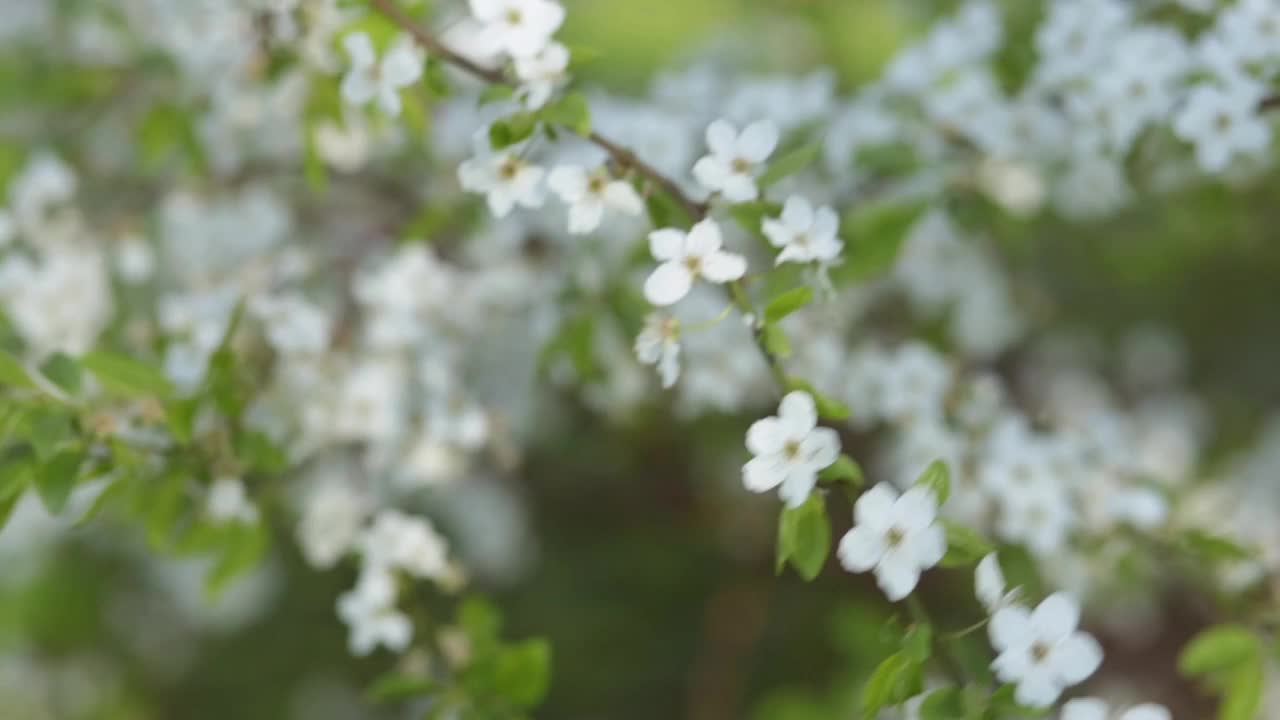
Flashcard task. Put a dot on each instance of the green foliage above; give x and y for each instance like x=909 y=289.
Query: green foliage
x=775 y=340
x=126 y=375
x=965 y=546
x=750 y=216
x=828 y=408
x=873 y=235
x=936 y=478
x=789 y=164
x=570 y=111
x=901 y=675
x=786 y=303
x=1231 y=660
x=844 y=470
x=13 y=373
x=62 y=370
x=512 y=129
x=804 y=537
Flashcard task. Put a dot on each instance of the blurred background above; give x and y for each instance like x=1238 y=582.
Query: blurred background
x=637 y=554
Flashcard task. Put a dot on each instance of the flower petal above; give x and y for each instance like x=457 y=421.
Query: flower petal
x=1076 y=658
x=1037 y=689
x=722 y=138
x=666 y=244
x=861 y=549
x=798 y=213
x=896 y=577
x=622 y=196
x=1085 y=709
x=820 y=448
x=570 y=183
x=758 y=141
x=797 y=486
x=711 y=172
x=929 y=545
x=875 y=507
x=917 y=508
x=1056 y=617
x=763 y=473
x=765 y=436
x=704 y=239
x=798 y=413
x=667 y=284
x=360 y=48
x=989 y=582
x=585 y=216
x=1147 y=711
x=723 y=267
x=1011 y=628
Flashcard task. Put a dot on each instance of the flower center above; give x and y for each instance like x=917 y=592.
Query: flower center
x=802 y=240
x=894 y=537
x=508 y=169
x=741 y=166
x=1039 y=652
x=694 y=264
x=514 y=16
x=596 y=185
x=791 y=449
x=1222 y=122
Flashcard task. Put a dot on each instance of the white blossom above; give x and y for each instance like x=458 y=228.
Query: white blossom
x=520 y=28
x=228 y=502
x=371 y=78
x=686 y=257
x=505 y=179
x=803 y=233
x=789 y=450
x=1041 y=651
x=989 y=585
x=1095 y=709
x=411 y=544
x=541 y=73
x=369 y=611
x=590 y=194
x=1223 y=122
x=658 y=344
x=736 y=158
x=894 y=536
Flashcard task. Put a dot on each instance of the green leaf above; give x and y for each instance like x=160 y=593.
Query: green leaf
x=844 y=469
x=666 y=212
x=395 y=686
x=965 y=546
x=751 y=216
x=434 y=76
x=1213 y=547
x=786 y=303
x=16 y=466
x=56 y=479
x=13 y=373
x=6 y=509
x=775 y=341
x=828 y=408
x=943 y=704
x=789 y=164
x=480 y=620
x=894 y=681
x=126 y=375
x=570 y=111
x=936 y=477
x=804 y=537
x=496 y=93
x=873 y=235
x=918 y=644
x=245 y=546
x=512 y=129
x=49 y=428
x=1243 y=697
x=62 y=371
x=522 y=672
x=1219 y=648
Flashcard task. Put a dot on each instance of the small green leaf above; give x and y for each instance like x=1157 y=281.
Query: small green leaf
x=49 y=428
x=918 y=644
x=1219 y=648
x=56 y=479
x=775 y=341
x=570 y=111
x=62 y=371
x=666 y=212
x=496 y=93
x=1243 y=697
x=244 y=549
x=873 y=235
x=434 y=76
x=943 y=704
x=936 y=477
x=13 y=373
x=895 y=680
x=126 y=375
x=789 y=164
x=512 y=129
x=844 y=469
x=6 y=509
x=786 y=303
x=965 y=546
x=1213 y=547
x=396 y=686
x=522 y=672
x=804 y=537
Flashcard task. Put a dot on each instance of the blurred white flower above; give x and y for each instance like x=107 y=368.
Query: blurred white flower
x=1041 y=651
x=790 y=449
x=369 y=611
x=687 y=257
x=589 y=195
x=735 y=158
x=803 y=233
x=228 y=502
x=519 y=28
x=896 y=537
x=1095 y=709
x=658 y=344
x=372 y=79
x=505 y=179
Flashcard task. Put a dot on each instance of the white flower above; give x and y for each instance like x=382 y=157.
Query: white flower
x=1095 y=709
x=989 y=585
x=369 y=609
x=804 y=234
x=541 y=73
x=658 y=344
x=790 y=449
x=398 y=541
x=685 y=258
x=894 y=536
x=519 y=28
x=135 y=260
x=1222 y=122
x=228 y=502
x=588 y=195
x=1041 y=651
x=332 y=515
x=735 y=158
x=505 y=179
x=370 y=78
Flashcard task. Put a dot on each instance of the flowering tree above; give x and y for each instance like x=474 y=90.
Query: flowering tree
x=327 y=280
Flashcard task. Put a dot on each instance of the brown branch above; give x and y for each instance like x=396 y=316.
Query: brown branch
x=623 y=156
x=1271 y=102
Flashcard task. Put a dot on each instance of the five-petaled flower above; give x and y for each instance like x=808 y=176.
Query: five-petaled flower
x=370 y=78
x=894 y=536
x=803 y=233
x=790 y=450
x=686 y=257
x=1041 y=651
x=505 y=179
x=519 y=28
x=588 y=195
x=735 y=159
